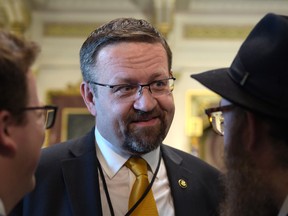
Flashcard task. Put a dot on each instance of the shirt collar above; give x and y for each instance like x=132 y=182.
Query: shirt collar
x=2 y=208
x=284 y=209
x=112 y=162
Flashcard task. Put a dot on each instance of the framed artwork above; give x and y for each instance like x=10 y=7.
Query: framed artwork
x=72 y=120
x=205 y=143
x=75 y=122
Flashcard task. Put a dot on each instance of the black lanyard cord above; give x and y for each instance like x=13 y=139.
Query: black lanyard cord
x=105 y=188
x=141 y=198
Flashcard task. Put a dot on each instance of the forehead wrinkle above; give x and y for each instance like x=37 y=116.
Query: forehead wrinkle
x=141 y=62
x=140 y=56
x=138 y=62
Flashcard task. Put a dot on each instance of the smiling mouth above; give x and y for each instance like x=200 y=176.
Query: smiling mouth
x=146 y=121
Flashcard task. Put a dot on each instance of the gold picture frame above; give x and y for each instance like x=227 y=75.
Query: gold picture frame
x=205 y=143
x=196 y=102
x=70 y=103
x=75 y=122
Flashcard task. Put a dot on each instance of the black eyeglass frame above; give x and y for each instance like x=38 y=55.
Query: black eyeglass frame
x=49 y=124
x=209 y=111
x=221 y=109
x=134 y=85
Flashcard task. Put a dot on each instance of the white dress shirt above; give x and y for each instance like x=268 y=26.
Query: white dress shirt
x=284 y=209
x=120 y=179
x=2 y=209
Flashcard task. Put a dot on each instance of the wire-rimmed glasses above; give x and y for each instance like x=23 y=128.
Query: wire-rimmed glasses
x=49 y=114
x=130 y=92
x=216 y=118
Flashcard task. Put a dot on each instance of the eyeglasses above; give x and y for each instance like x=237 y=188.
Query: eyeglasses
x=48 y=113
x=128 y=92
x=216 y=118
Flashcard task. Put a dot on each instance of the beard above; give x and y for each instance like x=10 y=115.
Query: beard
x=247 y=193
x=144 y=140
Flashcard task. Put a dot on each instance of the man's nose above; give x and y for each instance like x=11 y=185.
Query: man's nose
x=145 y=100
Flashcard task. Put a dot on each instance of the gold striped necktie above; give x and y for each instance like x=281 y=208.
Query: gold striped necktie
x=148 y=205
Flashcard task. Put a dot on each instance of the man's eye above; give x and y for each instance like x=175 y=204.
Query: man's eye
x=160 y=83
x=125 y=88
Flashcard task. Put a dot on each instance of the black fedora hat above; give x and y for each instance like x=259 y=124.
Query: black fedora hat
x=258 y=76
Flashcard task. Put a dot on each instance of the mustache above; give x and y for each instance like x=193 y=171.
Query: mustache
x=143 y=116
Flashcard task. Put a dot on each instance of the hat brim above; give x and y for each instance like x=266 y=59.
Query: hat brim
x=221 y=83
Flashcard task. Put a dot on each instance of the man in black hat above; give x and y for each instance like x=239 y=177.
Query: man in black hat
x=253 y=114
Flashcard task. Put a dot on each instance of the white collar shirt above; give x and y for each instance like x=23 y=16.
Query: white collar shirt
x=284 y=209
x=119 y=179
x=2 y=209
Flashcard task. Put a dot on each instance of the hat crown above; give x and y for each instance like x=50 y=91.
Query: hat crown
x=258 y=77
x=261 y=65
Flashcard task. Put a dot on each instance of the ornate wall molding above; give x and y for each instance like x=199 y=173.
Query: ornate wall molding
x=64 y=29
x=14 y=15
x=191 y=31
x=164 y=12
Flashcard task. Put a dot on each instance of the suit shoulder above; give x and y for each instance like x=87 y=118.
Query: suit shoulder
x=56 y=150
x=190 y=161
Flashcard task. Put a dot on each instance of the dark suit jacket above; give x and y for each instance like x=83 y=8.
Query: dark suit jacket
x=67 y=182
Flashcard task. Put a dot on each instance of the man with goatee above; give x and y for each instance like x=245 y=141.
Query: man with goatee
x=253 y=116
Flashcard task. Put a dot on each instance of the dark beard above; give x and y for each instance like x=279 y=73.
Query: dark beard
x=247 y=194
x=139 y=142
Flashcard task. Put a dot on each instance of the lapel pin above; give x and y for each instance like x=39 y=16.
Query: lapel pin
x=182 y=183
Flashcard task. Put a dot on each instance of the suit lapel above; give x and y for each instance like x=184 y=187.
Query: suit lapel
x=81 y=177
x=180 y=180
x=187 y=187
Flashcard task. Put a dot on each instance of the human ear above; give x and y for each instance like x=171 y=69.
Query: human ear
x=88 y=97
x=8 y=146
x=253 y=132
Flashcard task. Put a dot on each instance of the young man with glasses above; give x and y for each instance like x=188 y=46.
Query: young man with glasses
x=127 y=85
x=22 y=120
x=252 y=116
